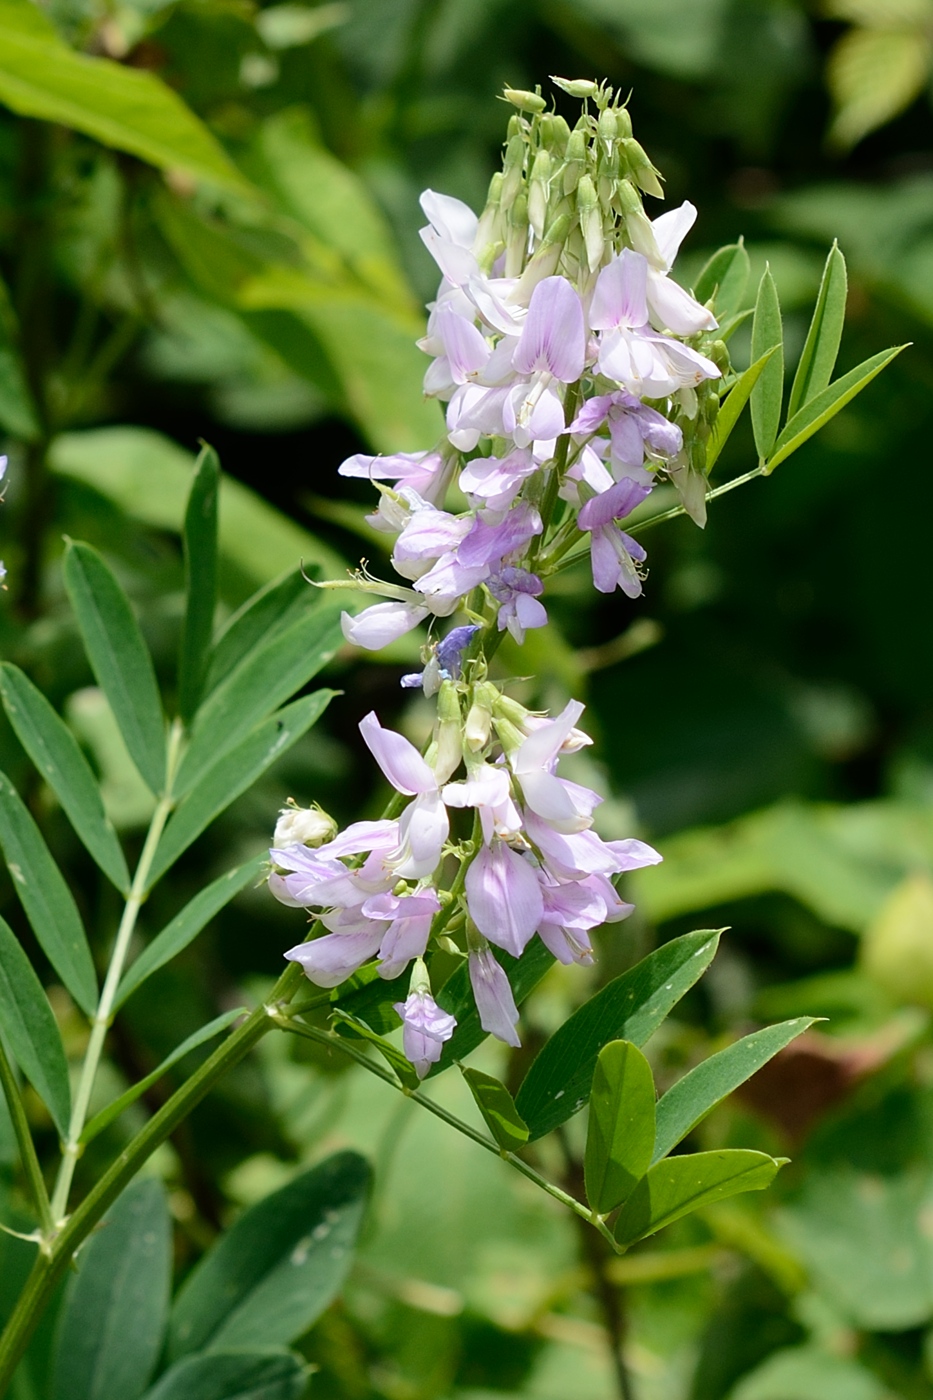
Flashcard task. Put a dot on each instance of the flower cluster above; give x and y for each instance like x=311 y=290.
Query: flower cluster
x=575 y=373
x=534 y=865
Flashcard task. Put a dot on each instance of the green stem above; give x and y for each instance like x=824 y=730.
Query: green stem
x=71 y=1148
x=336 y=1042
x=50 y=1267
x=27 y=1149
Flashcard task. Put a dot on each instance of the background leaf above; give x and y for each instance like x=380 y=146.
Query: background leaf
x=680 y=1185
x=119 y=658
x=31 y=1031
x=873 y=75
x=112 y=1321
x=55 y=752
x=629 y=1008
x=620 y=1132
x=266 y=1280
x=46 y=898
x=200 y=538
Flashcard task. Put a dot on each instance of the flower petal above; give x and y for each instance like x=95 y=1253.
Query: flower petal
x=399 y=760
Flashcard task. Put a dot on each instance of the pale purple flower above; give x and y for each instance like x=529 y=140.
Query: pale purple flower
x=428 y=536
x=634 y=428
x=613 y=553
x=424 y=825
x=572 y=909
x=409 y=920
x=670 y=306
x=517 y=592
x=317 y=878
x=449 y=236
x=445 y=664
x=492 y=993
x=487 y=788
x=427 y=473
x=497 y=480
x=381 y=624
x=582 y=853
x=553 y=338
x=330 y=960
x=479 y=552
x=426 y=1028
x=566 y=806
x=504 y=897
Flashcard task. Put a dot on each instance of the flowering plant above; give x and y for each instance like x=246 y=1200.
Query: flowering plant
x=577 y=375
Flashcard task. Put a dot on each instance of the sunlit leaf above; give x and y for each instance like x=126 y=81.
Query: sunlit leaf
x=404 y=1069
x=30 y=1029
x=725 y=278
x=873 y=75
x=732 y=406
x=680 y=1185
x=261 y=617
x=497 y=1106
x=233 y=1375
x=620 y=1132
x=200 y=538
x=767 y=334
x=818 y=358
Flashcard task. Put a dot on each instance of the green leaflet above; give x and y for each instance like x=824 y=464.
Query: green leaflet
x=46 y=898
x=120 y=106
x=620 y=1132
x=680 y=1185
x=630 y=1008
x=261 y=617
x=404 y=1069
x=232 y=774
x=817 y=413
x=725 y=278
x=55 y=752
x=200 y=539
x=732 y=406
x=119 y=658
x=818 y=358
x=497 y=1106
x=233 y=1375
x=30 y=1029
x=767 y=395
x=187 y=924
x=691 y=1098
x=265 y=1280
x=108 y=1115
x=111 y=1326
x=264 y=679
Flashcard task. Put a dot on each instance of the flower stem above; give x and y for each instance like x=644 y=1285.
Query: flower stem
x=27 y=1149
x=71 y=1148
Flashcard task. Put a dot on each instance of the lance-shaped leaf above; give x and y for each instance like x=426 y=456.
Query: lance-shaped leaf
x=732 y=406
x=119 y=658
x=108 y=1115
x=233 y=1375
x=693 y=1097
x=725 y=278
x=456 y=998
x=261 y=617
x=629 y=1008
x=497 y=1106
x=121 y=106
x=269 y=1277
x=187 y=924
x=110 y=1329
x=30 y=1029
x=55 y=752
x=263 y=680
x=817 y=413
x=680 y=1185
x=818 y=358
x=404 y=1070
x=620 y=1133
x=233 y=774
x=767 y=334
x=200 y=539
x=46 y=898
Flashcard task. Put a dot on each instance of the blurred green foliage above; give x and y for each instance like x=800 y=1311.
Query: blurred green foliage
x=764 y=713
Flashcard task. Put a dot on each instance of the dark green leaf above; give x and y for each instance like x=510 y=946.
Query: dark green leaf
x=456 y=997
x=112 y=1322
x=108 y=1115
x=233 y=774
x=497 y=1106
x=691 y=1098
x=55 y=752
x=187 y=924
x=680 y=1185
x=17 y=411
x=404 y=1069
x=124 y=107
x=827 y=404
x=260 y=618
x=200 y=537
x=818 y=358
x=48 y=902
x=119 y=658
x=725 y=278
x=233 y=1375
x=372 y=998
x=767 y=334
x=266 y=1280
x=31 y=1030
x=630 y=1008
x=732 y=406
x=263 y=680
x=620 y=1133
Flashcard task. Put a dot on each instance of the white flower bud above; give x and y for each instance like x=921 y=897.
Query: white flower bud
x=303 y=826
